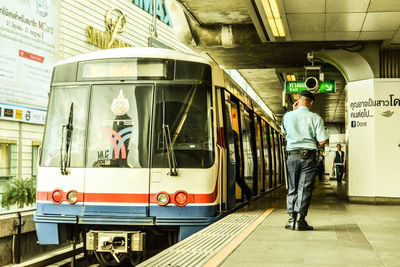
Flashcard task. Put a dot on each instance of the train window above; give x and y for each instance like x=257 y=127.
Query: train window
x=119 y=126
x=273 y=151
x=58 y=115
x=248 y=147
x=126 y=69
x=267 y=155
x=259 y=153
x=65 y=73
x=192 y=71
x=183 y=115
x=278 y=157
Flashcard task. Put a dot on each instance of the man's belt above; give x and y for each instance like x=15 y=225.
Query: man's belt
x=293 y=152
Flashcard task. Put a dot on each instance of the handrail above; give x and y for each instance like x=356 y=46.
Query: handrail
x=16 y=211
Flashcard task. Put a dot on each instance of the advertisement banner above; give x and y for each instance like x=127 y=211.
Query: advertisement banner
x=28 y=37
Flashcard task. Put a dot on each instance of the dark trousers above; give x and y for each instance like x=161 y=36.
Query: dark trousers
x=339 y=173
x=301 y=178
x=321 y=171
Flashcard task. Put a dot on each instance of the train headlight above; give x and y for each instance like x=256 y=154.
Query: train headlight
x=72 y=197
x=162 y=198
x=57 y=196
x=181 y=198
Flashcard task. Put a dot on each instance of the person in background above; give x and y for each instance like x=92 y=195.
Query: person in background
x=321 y=165
x=304 y=130
x=338 y=162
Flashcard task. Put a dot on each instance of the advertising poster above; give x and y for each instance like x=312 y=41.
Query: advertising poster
x=28 y=52
x=361 y=141
x=387 y=138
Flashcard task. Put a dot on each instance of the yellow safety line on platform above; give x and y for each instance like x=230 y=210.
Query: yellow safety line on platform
x=228 y=249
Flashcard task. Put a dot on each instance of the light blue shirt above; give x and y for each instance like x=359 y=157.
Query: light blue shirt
x=303 y=128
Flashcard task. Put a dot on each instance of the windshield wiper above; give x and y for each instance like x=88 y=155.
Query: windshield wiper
x=65 y=157
x=173 y=166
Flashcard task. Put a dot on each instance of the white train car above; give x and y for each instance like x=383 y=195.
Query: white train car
x=139 y=143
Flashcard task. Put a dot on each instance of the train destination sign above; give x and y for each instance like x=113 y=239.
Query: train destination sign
x=296 y=87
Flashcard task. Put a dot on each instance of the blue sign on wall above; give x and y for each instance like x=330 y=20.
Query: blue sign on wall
x=161 y=9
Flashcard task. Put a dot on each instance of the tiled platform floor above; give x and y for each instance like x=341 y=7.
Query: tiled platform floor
x=345 y=235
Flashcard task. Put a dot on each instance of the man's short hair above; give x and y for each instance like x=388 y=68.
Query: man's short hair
x=307 y=94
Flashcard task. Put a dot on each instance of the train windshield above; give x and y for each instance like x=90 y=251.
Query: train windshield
x=119 y=126
x=61 y=99
x=183 y=121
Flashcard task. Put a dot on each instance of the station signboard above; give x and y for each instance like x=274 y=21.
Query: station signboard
x=296 y=87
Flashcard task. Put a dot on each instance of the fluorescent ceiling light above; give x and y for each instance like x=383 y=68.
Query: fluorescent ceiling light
x=290 y=77
x=238 y=78
x=274 y=17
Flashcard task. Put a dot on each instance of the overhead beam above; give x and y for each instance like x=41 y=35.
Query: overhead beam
x=257 y=20
x=190 y=32
x=351 y=64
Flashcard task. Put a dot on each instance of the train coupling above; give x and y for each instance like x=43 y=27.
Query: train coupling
x=115 y=241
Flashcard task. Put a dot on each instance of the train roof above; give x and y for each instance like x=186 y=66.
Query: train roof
x=135 y=52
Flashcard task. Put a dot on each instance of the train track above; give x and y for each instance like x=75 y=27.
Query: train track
x=53 y=258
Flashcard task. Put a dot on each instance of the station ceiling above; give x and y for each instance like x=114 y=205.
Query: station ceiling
x=309 y=25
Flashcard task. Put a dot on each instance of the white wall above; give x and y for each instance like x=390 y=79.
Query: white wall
x=387 y=139
x=75 y=16
x=361 y=145
x=374 y=152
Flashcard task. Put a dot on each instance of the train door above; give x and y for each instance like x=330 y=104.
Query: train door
x=233 y=159
x=183 y=155
x=273 y=154
x=283 y=161
x=278 y=158
x=260 y=167
x=248 y=145
x=235 y=113
x=266 y=155
x=117 y=173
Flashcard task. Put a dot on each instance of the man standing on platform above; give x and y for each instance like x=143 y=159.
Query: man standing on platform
x=338 y=162
x=304 y=130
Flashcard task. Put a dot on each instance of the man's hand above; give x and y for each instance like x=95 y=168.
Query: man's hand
x=323 y=142
x=296 y=104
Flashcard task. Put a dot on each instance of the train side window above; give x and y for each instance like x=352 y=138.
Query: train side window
x=267 y=155
x=273 y=154
x=186 y=111
x=248 y=147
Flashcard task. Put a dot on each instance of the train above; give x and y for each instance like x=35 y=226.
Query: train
x=148 y=143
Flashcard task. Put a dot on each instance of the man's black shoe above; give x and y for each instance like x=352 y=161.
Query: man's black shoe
x=291 y=224
x=302 y=224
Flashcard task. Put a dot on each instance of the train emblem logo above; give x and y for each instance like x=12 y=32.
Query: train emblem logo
x=119 y=107
x=115 y=23
x=117 y=141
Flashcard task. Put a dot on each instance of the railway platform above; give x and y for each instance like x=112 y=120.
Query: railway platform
x=345 y=234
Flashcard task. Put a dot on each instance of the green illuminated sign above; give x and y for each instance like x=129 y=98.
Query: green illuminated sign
x=298 y=86
x=327 y=87
x=295 y=87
